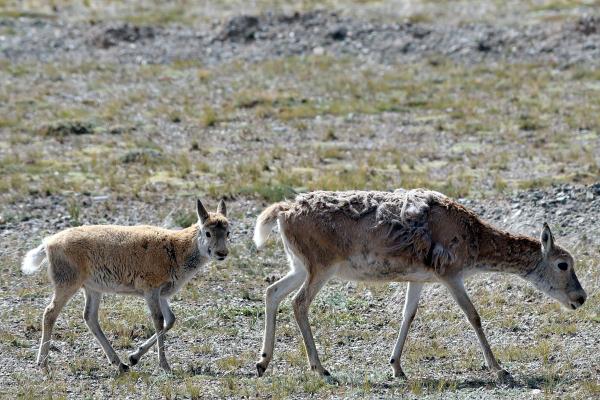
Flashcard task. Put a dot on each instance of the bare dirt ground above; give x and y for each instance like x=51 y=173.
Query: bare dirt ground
x=125 y=112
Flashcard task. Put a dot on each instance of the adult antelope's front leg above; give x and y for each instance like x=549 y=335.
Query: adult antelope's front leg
x=153 y=301
x=457 y=289
x=302 y=301
x=413 y=293
x=169 y=317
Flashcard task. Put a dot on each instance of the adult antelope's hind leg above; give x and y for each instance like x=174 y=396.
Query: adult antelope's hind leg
x=169 y=317
x=273 y=297
x=413 y=293
x=153 y=301
x=62 y=294
x=90 y=315
x=457 y=289
x=302 y=301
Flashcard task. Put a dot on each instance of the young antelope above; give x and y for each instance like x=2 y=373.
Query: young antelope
x=418 y=236
x=146 y=261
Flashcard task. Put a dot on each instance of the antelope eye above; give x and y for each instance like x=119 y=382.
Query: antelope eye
x=207 y=234
x=563 y=266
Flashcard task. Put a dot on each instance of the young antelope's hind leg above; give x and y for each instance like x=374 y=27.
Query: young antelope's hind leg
x=457 y=289
x=413 y=293
x=90 y=315
x=273 y=297
x=62 y=294
x=153 y=301
x=144 y=347
x=302 y=301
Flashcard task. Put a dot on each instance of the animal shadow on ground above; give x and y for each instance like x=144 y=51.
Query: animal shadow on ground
x=438 y=383
x=442 y=384
x=206 y=370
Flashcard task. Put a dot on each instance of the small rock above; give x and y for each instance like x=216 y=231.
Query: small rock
x=589 y=196
x=318 y=51
x=484 y=46
x=240 y=28
x=338 y=33
x=100 y=198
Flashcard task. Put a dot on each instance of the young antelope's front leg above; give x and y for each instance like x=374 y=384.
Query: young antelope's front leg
x=153 y=301
x=413 y=293
x=135 y=356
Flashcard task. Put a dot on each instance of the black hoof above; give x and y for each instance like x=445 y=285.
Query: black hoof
x=133 y=360
x=504 y=378
x=322 y=371
x=166 y=369
x=260 y=369
x=400 y=375
x=330 y=379
x=123 y=369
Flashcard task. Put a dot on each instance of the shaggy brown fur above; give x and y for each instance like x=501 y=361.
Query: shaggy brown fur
x=146 y=261
x=417 y=236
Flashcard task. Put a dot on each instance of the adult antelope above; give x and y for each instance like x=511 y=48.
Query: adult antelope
x=418 y=236
x=145 y=261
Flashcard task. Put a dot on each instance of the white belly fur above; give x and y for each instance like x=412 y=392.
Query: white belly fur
x=370 y=268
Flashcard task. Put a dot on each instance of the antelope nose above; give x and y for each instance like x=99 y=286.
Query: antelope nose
x=581 y=300
x=222 y=253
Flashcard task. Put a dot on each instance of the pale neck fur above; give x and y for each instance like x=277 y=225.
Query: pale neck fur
x=186 y=243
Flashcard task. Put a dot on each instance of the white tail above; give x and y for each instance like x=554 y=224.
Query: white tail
x=262 y=230
x=266 y=222
x=34 y=259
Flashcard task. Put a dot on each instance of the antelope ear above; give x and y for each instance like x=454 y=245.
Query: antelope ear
x=222 y=209
x=201 y=211
x=547 y=240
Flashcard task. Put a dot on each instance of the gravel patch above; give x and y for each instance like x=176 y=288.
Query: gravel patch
x=257 y=37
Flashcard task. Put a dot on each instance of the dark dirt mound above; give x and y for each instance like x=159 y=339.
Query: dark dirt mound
x=588 y=25
x=113 y=35
x=240 y=29
x=65 y=128
x=141 y=155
